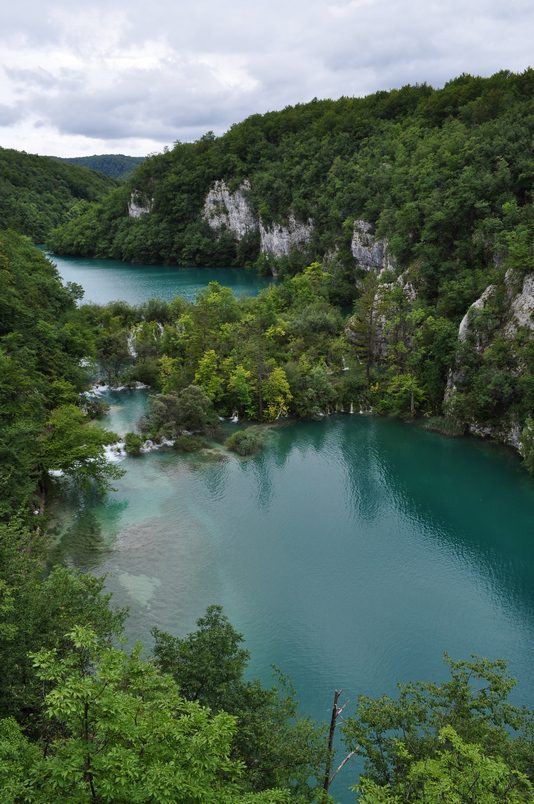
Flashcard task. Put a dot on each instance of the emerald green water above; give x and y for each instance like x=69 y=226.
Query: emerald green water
x=108 y=280
x=351 y=553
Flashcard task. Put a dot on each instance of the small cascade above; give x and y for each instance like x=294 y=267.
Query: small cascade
x=351 y=407
x=342 y=409
x=234 y=418
x=130 y=342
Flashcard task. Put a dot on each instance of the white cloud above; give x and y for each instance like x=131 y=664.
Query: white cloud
x=116 y=76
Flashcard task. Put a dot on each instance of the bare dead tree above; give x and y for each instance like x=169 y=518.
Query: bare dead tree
x=336 y=712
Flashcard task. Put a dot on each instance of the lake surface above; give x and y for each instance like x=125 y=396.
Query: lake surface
x=109 y=280
x=351 y=553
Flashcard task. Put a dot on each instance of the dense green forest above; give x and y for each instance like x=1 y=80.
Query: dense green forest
x=38 y=193
x=117 y=166
x=444 y=174
x=444 y=179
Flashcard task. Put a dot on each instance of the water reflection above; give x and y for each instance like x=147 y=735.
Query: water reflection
x=351 y=552
x=82 y=544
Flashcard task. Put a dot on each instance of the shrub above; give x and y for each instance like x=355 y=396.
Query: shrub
x=245 y=442
x=444 y=424
x=189 y=443
x=133 y=443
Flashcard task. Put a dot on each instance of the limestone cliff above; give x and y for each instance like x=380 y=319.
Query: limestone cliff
x=514 y=313
x=278 y=240
x=467 y=324
x=138 y=206
x=370 y=254
x=521 y=303
x=230 y=210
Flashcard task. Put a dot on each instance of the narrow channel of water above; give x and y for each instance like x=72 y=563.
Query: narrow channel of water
x=351 y=553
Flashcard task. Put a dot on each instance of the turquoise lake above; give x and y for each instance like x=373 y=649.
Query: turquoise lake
x=353 y=552
x=110 y=280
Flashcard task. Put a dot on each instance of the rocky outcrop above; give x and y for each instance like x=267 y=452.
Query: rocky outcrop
x=518 y=313
x=506 y=432
x=380 y=337
x=138 y=206
x=224 y=209
x=466 y=324
x=370 y=254
x=231 y=210
x=521 y=305
x=279 y=240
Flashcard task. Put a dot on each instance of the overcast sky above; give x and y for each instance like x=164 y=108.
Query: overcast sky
x=131 y=77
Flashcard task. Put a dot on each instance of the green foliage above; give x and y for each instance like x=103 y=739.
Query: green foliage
x=245 y=442
x=279 y=748
x=526 y=445
x=460 y=772
x=207 y=662
x=116 y=730
x=43 y=341
x=438 y=171
x=133 y=443
x=169 y=415
x=189 y=443
x=445 y=425
x=37 y=612
x=37 y=193
x=76 y=448
x=444 y=174
x=116 y=166
x=457 y=741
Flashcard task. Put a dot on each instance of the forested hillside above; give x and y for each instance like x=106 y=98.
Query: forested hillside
x=117 y=166
x=444 y=174
x=413 y=201
x=38 y=193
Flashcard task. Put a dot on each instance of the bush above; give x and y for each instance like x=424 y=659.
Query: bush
x=189 y=443
x=245 y=442
x=133 y=443
x=444 y=424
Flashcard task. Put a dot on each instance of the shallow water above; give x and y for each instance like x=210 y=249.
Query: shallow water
x=108 y=280
x=351 y=553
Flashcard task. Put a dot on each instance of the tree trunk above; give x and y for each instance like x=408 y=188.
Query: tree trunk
x=335 y=713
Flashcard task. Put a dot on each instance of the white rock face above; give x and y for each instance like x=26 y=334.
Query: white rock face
x=521 y=308
x=380 y=321
x=232 y=210
x=371 y=254
x=465 y=323
x=506 y=433
x=223 y=208
x=136 y=208
x=279 y=240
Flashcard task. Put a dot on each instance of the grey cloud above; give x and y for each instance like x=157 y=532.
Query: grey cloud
x=215 y=64
x=9 y=115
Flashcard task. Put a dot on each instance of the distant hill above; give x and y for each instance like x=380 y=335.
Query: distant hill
x=38 y=193
x=117 y=166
